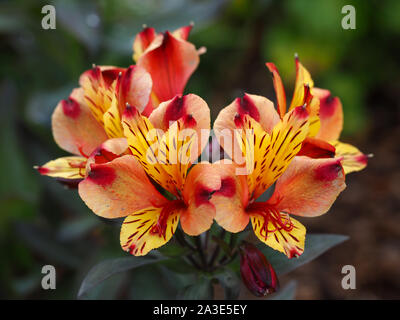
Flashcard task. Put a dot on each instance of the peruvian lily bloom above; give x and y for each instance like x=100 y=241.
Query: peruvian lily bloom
x=326 y=122
x=169 y=58
x=303 y=186
x=153 y=188
x=91 y=115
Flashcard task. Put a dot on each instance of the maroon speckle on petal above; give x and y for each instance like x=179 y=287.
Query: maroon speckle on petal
x=102 y=155
x=202 y=195
x=362 y=158
x=228 y=188
x=71 y=108
x=43 y=170
x=110 y=75
x=328 y=172
x=190 y=121
x=246 y=106
x=301 y=112
x=175 y=110
x=101 y=175
x=328 y=105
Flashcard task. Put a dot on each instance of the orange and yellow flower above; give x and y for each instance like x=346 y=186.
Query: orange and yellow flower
x=92 y=113
x=269 y=144
x=326 y=119
x=129 y=186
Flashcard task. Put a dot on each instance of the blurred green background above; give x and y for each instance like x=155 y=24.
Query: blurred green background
x=43 y=223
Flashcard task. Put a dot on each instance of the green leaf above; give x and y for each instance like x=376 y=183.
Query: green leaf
x=286 y=293
x=316 y=244
x=77 y=228
x=178 y=265
x=173 y=250
x=107 y=268
x=230 y=282
x=202 y=289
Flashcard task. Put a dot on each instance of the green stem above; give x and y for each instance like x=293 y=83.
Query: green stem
x=201 y=252
x=216 y=252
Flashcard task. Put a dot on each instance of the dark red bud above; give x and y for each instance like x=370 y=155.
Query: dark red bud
x=257 y=273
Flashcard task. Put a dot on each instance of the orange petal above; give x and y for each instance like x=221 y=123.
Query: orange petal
x=279 y=89
x=202 y=181
x=142 y=41
x=134 y=87
x=331 y=115
x=309 y=187
x=231 y=199
x=74 y=127
x=170 y=62
x=150 y=228
x=192 y=110
x=119 y=188
x=316 y=148
x=259 y=108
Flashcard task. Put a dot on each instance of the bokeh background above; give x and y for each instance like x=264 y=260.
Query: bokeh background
x=43 y=223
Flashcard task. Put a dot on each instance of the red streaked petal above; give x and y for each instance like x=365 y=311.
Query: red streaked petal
x=268 y=156
x=170 y=62
x=74 y=127
x=119 y=188
x=279 y=89
x=150 y=228
x=309 y=187
x=330 y=114
x=289 y=240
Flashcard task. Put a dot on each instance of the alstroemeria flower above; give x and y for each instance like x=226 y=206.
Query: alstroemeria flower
x=326 y=124
x=304 y=186
x=91 y=115
x=122 y=187
x=169 y=58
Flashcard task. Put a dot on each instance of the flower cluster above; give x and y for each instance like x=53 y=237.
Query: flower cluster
x=135 y=141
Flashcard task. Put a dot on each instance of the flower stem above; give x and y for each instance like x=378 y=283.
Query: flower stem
x=201 y=252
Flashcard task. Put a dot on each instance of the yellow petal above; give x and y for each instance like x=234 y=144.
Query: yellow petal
x=290 y=241
x=303 y=78
x=353 y=159
x=267 y=156
x=66 y=168
x=112 y=120
x=148 y=229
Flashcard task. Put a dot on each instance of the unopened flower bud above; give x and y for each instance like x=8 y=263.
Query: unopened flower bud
x=257 y=273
